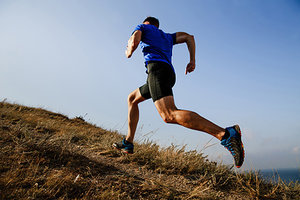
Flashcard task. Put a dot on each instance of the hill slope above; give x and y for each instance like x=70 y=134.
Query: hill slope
x=45 y=155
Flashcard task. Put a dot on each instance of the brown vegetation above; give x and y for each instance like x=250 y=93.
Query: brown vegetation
x=45 y=155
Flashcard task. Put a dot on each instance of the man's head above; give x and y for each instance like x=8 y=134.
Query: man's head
x=152 y=21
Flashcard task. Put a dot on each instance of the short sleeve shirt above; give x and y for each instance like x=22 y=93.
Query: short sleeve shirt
x=156 y=45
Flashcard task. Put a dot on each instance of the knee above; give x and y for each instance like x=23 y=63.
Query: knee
x=131 y=99
x=168 y=118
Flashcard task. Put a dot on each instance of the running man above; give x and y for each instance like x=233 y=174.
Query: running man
x=157 y=49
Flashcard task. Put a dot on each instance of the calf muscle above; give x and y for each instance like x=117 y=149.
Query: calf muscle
x=171 y=114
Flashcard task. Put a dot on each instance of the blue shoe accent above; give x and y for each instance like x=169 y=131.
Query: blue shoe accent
x=233 y=143
x=125 y=146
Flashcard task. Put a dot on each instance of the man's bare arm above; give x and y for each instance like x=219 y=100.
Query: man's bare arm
x=182 y=37
x=133 y=43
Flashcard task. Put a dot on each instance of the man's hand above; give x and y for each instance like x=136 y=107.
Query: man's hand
x=127 y=53
x=190 y=67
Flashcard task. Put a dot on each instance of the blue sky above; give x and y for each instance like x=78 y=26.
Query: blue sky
x=68 y=57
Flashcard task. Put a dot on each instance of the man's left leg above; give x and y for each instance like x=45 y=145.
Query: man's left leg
x=171 y=114
x=230 y=137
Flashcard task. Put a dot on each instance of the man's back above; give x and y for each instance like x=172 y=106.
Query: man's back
x=156 y=44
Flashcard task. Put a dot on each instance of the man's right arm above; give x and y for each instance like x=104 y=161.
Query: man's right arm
x=182 y=37
x=133 y=43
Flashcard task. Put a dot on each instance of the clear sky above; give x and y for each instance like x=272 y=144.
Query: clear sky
x=68 y=57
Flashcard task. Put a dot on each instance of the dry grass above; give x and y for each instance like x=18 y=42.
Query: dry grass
x=45 y=155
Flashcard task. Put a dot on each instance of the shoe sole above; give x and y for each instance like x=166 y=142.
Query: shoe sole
x=237 y=128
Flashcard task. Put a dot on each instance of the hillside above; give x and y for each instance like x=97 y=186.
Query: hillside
x=45 y=155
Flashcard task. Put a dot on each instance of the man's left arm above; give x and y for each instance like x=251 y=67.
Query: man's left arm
x=133 y=43
x=182 y=37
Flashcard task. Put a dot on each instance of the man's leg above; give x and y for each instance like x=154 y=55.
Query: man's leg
x=134 y=99
x=170 y=114
x=230 y=137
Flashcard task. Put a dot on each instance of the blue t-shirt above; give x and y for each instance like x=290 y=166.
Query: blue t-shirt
x=156 y=44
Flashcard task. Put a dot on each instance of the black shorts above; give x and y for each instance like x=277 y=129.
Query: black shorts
x=161 y=79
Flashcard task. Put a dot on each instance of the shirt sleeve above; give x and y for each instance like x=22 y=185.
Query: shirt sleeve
x=174 y=38
x=138 y=28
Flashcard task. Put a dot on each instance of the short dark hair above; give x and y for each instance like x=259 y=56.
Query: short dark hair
x=152 y=21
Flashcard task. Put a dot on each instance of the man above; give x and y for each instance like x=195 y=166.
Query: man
x=157 y=48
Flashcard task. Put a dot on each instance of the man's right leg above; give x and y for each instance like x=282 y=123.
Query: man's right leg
x=134 y=99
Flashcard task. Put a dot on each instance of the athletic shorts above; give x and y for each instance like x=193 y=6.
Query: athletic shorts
x=161 y=78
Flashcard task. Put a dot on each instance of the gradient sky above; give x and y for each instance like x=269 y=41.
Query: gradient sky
x=68 y=57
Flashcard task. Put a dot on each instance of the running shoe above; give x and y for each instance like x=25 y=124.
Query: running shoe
x=124 y=146
x=233 y=143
